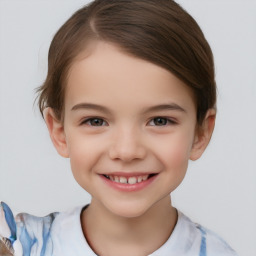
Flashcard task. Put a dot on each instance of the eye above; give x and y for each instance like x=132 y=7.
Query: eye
x=161 y=121
x=94 y=122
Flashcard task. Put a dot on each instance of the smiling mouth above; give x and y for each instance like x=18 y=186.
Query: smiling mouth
x=129 y=180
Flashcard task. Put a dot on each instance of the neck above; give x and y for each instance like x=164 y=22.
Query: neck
x=109 y=234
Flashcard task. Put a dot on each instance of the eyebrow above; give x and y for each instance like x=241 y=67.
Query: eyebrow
x=170 y=106
x=90 y=106
x=161 y=107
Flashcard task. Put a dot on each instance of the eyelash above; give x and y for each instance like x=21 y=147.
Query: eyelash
x=88 y=121
x=166 y=121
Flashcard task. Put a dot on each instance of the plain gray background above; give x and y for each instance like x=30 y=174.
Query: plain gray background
x=219 y=190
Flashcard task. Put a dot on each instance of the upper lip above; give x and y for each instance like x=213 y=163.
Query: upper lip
x=127 y=174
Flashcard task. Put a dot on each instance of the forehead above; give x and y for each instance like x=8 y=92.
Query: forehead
x=106 y=73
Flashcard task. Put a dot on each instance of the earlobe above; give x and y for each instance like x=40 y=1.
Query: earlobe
x=56 y=131
x=203 y=135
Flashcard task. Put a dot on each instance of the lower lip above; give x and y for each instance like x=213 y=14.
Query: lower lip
x=125 y=187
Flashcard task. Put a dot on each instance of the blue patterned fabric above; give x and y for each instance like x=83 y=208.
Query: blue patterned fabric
x=10 y=221
x=203 y=242
x=60 y=234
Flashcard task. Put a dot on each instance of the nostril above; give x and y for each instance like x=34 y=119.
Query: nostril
x=127 y=153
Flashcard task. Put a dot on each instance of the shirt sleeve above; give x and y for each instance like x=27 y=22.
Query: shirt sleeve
x=216 y=245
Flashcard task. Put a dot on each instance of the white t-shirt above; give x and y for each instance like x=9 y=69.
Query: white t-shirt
x=60 y=234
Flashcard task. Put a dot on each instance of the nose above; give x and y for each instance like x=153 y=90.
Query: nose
x=127 y=145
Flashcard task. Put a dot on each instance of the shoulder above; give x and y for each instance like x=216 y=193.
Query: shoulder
x=210 y=243
x=30 y=226
x=34 y=233
x=216 y=245
x=54 y=234
x=23 y=233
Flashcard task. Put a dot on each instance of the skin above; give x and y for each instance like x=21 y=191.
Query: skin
x=145 y=123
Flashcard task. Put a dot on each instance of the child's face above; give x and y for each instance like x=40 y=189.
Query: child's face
x=126 y=119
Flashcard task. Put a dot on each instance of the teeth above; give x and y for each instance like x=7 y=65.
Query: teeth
x=140 y=179
x=123 y=180
x=130 y=180
x=145 y=177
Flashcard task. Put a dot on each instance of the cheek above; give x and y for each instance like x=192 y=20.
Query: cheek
x=175 y=152
x=178 y=147
x=83 y=156
x=175 y=159
x=85 y=153
x=178 y=158
x=80 y=147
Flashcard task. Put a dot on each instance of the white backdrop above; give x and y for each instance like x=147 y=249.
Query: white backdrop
x=219 y=190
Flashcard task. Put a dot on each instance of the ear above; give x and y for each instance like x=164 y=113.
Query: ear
x=203 y=135
x=56 y=131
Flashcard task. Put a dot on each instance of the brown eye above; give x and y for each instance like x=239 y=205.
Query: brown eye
x=159 y=121
x=94 y=122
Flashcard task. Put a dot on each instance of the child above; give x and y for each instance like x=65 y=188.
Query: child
x=129 y=97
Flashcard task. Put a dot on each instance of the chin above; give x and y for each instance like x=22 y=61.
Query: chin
x=129 y=209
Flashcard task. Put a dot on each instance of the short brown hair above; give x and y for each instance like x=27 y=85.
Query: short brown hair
x=159 y=31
